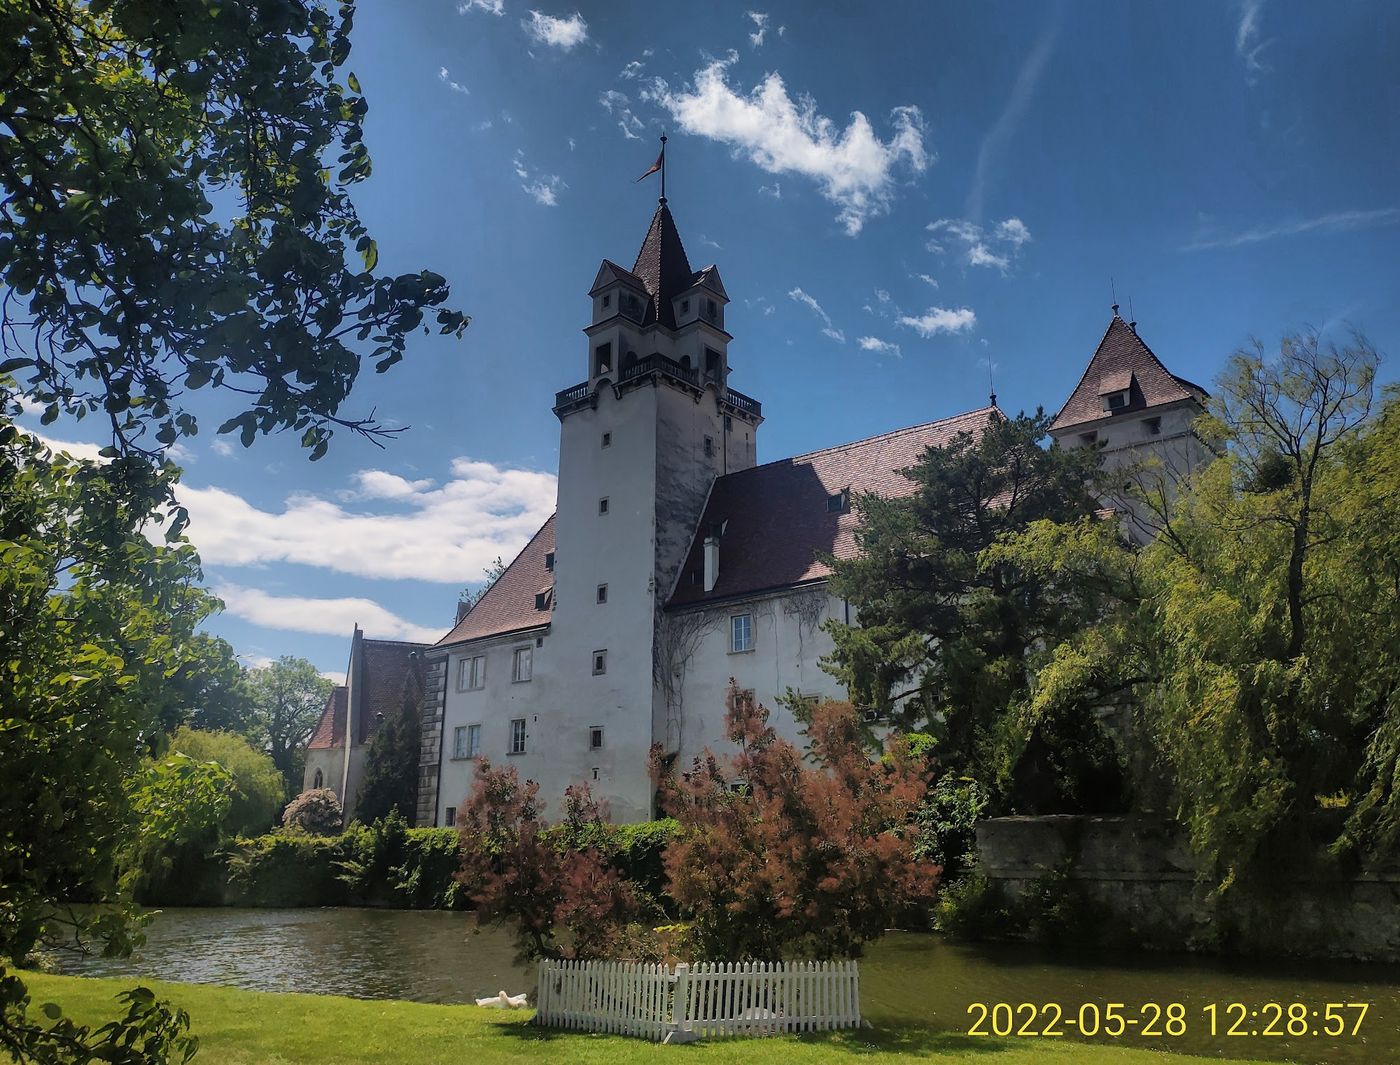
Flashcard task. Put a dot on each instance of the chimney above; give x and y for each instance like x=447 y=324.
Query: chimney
x=711 y=562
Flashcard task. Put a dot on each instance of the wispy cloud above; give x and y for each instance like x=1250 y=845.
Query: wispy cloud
x=383 y=526
x=446 y=79
x=1335 y=222
x=994 y=144
x=932 y=282
x=491 y=7
x=760 y=30
x=1249 y=42
x=853 y=167
x=775 y=190
x=563 y=33
x=221 y=448
x=543 y=188
x=828 y=329
x=996 y=246
x=619 y=106
x=938 y=320
x=327 y=617
x=884 y=347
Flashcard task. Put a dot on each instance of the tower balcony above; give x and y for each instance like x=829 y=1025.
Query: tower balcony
x=656 y=364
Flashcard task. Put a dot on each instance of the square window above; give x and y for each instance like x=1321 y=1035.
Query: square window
x=740 y=633
x=709 y=446
x=549 y=561
x=600 y=663
x=607 y=439
x=603 y=505
x=450 y=817
x=521 y=664
x=602 y=593
x=471 y=673
x=517 y=735
x=595 y=738
x=1153 y=426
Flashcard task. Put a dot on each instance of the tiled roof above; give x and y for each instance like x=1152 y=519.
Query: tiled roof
x=1123 y=361
x=388 y=671
x=509 y=604
x=663 y=267
x=776 y=519
x=330 y=730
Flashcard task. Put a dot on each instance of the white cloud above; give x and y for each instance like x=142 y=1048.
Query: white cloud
x=446 y=79
x=543 y=188
x=884 y=347
x=937 y=320
x=221 y=447
x=927 y=280
x=491 y=7
x=853 y=167
x=1248 y=44
x=631 y=70
x=760 y=21
x=997 y=246
x=994 y=144
x=828 y=329
x=74 y=448
x=561 y=33
x=618 y=105
x=389 y=527
x=775 y=190
x=1335 y=222
x=483 y=125
x=327 y=617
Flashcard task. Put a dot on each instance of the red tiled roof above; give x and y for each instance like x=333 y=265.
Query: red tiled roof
x=776 y=521
x=509 y=604
x=330 y=730
x=1123 y=361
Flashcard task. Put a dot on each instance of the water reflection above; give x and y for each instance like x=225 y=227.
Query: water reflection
x=909 y=980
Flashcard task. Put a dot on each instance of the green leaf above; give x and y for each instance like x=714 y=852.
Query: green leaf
x=353 y=82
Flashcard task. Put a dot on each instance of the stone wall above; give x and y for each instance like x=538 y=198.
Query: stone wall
x=1138 y=874
x=430 y=749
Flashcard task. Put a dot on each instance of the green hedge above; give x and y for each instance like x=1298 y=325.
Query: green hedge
x=389 y=864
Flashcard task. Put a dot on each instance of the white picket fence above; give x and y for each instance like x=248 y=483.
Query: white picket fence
x=700 y=1000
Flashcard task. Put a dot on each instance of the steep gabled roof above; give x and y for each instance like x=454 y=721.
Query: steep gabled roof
x=775 y=518
x=388 y=671
x=1123 y=362
x=330 y=730
x=663 y=267
x=509 y=604
x=609 y=272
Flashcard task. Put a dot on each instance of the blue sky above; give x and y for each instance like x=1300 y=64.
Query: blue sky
x=897 y=196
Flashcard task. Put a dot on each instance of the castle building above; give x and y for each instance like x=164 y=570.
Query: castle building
x=675 y=561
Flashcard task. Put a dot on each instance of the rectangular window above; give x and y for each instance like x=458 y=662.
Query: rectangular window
x=595 y=738
x=450 y=817
x=517 y=735
x=600 y=663
x=685 y=306
x=709 y=446
x=607 y=439
x=473 y=741
x=549 y=561
x=603 y=505
x=521 y=664
x=542 y=600
x=459 y=741
x=839 y=502
x=471 y=673
x=740 y=633
x=1153 y=426
x=1088 y=438
x=602 y=593
x=602 y=359
x=607 y=299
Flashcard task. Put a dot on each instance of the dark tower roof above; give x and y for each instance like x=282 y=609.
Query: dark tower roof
x=663 y=267
x=1123 y=362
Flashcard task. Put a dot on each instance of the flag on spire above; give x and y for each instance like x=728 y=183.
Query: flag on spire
x=660 y=164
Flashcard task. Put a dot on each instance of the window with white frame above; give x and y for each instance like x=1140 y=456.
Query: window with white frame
x=740 y=633
x=517 y=735
x=521 y=664
x=600 y=663
x=466 y=741
x=471 y=673
x=473 y=741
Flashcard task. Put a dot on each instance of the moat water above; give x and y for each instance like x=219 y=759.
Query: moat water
x=916 y=982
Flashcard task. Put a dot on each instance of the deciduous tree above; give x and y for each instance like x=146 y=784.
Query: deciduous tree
x=286 y=698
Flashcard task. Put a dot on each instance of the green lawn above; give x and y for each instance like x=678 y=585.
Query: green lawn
x=251 y=1028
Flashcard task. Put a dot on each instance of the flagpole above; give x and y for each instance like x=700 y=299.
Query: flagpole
x=663 y=168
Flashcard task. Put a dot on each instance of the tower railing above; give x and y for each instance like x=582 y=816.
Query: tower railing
x=582 y=394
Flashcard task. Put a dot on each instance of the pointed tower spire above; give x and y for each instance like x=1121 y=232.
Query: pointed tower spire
x=663 y=266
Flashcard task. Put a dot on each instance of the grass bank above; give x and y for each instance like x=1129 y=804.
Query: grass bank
x=251 y=1028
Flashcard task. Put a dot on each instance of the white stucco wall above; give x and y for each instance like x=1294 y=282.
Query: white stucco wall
x=789 y=643
x=328 y=761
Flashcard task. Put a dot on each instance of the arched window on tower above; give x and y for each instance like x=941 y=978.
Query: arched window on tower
x=318 y=780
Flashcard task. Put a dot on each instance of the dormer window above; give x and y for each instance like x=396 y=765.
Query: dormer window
x=1115 y=401
x=549 y=561
x=1116 y=390
x=543 y=597
x=607 y=299
x=839 y=502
